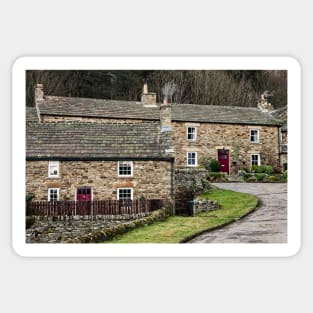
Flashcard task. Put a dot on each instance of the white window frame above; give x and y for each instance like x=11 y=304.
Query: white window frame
x=258 y=135
x=259 y=159
x=58 y=193
x=196 y=159
x=195 y=133
x=131 y=193
x=54 y=163
x=131 y=169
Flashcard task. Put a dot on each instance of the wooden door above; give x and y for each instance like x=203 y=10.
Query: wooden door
x=83 y=194
x=223 y=158
x=83 y=198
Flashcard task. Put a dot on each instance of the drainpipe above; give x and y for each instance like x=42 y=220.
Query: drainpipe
x=172 y=185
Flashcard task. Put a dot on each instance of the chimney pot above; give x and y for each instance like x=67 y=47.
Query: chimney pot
x=39 y=94
x=145 y=88
x=148 y=98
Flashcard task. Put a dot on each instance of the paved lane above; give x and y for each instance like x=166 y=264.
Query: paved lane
x=268 y=224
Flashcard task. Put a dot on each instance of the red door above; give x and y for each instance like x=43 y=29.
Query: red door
x=83 y=204
x=83 y=194
x=223 y=158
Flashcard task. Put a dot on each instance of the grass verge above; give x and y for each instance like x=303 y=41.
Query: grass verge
x=176 y=229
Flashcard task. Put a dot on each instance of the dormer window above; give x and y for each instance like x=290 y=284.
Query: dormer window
x=254 y=136
x=191 y=133
x=53 y=169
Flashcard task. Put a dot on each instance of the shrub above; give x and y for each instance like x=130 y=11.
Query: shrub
x=213 y=176
x=268 y=169
x=272 y=179
x=260 y=176
x=214 y=166
x=246 y=169
x=251 y=179
x=205 y=162
x=30 y=197
x=254 y=168
x=285 y=175
x=247 y=175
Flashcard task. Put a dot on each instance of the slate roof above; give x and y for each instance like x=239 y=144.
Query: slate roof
x=68 y=106
x=77 y=140
x=281 y=114
x=31 y=114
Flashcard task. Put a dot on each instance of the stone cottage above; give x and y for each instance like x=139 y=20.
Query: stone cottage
x=80 y=148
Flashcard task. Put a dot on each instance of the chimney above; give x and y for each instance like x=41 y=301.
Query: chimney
x=165 y=116
x=39 y=96
x=148 y=99
x=264 y=105
x=39 y=92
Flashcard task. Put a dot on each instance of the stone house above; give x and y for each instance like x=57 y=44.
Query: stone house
x=282 y=115
x=80 y=148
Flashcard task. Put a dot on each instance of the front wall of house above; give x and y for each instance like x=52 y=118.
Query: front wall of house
x=151 y=179
x=235 y=138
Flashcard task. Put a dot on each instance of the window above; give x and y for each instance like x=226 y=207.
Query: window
x=124 y=194
x=255 y=159
x=192 y=159
x=125 y=168
x=191 y=133
x=254 y=135
x=53 y=169
x=53 y=194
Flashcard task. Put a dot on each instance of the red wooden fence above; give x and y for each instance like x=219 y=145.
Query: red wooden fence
x=92 y=208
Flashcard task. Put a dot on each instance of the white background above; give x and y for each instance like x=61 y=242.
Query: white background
x=189 y=28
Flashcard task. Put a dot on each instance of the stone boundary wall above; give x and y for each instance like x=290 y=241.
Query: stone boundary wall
x=203 y=205
x=87 y=230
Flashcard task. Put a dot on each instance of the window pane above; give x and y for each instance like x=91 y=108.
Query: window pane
x=125 y=168
x=53 y=194
x=191 y=158
x=124 y=194
x=254 y=135
x=255 y=159
x=53 y=168
x=191 y=133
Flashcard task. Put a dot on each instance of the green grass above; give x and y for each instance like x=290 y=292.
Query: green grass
x=177 y=228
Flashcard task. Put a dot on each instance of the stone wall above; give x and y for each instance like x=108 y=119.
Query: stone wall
x=198 y=205
x=188 y=183
x=151 y=179
x=211 y=137
x=82 y=230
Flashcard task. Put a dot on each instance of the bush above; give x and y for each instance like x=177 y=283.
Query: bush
x=213 y=176
x=267 y=169
x=260 y=176
x=214 y=166
x=247 y=175
x=30 y=197
x=205 y=162
x=285 y=175
x=272 y=179
x=251 y=179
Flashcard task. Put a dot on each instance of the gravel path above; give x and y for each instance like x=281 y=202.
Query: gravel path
x=268 y=224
